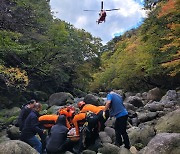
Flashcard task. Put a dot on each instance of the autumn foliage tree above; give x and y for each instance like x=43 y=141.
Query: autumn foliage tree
x=148 y=58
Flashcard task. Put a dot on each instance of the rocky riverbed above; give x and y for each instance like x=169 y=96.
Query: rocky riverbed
x=154 y=123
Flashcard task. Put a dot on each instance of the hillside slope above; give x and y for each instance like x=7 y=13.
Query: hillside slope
x=145 y=57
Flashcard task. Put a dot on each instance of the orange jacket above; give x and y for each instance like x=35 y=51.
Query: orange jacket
x=48 y=120
x=77 y=120
x=68 y=111
x=92 y=108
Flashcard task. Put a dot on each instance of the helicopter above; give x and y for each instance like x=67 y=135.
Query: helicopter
x=102 y=13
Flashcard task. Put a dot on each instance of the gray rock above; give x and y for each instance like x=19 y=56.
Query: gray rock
x=111 y=133
x=138 y=95
x=68 y=152
x=127 y=94
x=91 y=99
x=171 y=95
x=76 y=100
x=144 y=95
x=109 y=149
x=147 y=116
x=60 y=99
x=163 y=143
x=124 y=151
x=130 y=106
x=169 y=104
x=16 y=147
x=154 y=106
x=169 y=123
x=154 y=94
x=134 y=100
x=15 y=111
x=110 y=122
x=88 y=152
x=120 y=92
x=104 y=137
x=4 y=138
x=102 y=94
x=141 y=134
x=13 y=133
x=53 y=109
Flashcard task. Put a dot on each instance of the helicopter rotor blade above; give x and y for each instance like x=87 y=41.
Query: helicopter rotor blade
x=91 y=10
x=112 y=9
x=101 y=5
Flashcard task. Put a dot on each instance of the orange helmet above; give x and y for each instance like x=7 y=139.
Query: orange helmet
x=80 y=104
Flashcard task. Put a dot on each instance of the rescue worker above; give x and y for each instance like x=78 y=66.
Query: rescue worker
x=81 y=127
x=89 y=132
x=98 y=110
x=117 y=109
x=69 y=113
x=78 y=121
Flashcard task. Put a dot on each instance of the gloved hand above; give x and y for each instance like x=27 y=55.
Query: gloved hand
x=85 y=124
x=104 y=114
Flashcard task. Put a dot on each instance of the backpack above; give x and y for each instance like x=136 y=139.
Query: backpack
x=92 y=120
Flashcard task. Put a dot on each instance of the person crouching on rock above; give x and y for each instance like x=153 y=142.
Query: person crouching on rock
x=57 y=140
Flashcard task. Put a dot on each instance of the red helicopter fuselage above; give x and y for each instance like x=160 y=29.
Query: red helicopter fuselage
x=102 y=16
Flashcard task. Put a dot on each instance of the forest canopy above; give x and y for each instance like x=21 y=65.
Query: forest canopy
x=41 y=55
x=46 y=55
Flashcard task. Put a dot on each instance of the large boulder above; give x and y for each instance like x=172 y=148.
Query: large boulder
x=15 y=111
x=123 y=150
x=154 y=94
x=13 y=133
x=171 y=95
x=61 y=98
x=4 y=138
x=141 y=135
x=146 y=116
x=8 y=116
x=109 y=149
x=104 y=137
x=169 y=123
x=130 y=106
x=163 y=143
x=111 y=133
x=134 y=100
x=154 y=106
x=16 y=147
x=53 y=109
x=91 y=99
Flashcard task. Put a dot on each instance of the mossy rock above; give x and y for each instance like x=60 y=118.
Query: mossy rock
x=139 y=146
x=15 y=111
x=169 y=123
x=53 y=109
x=44 y=106
x=11 y=120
